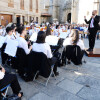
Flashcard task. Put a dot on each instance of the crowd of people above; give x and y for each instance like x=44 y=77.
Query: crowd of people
x=47 y=39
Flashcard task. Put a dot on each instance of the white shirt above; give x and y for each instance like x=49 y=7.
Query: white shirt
x=1 y=31
x=43 y=47
x=91 y=25
x=22 y=43
x=68 y=41
x=57 y=31
x=52 y=40
x=1 y=75
x=31 y=31
x=7 y=38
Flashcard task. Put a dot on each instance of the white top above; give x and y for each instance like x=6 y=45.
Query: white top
x=1 y=75
x=1 y=31
x=68 y=41
x=57 y=31
x=31 y=31
x=7 y=38
x=43 y=47
x=22 y=43
x=52 y=40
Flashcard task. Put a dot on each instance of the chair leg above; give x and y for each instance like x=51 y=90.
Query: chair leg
x=35 y=75
x=48 y=78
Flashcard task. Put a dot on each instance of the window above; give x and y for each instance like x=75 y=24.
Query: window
x=22 y=4
x=30 y=5
x=10 y=3
x=36 y=6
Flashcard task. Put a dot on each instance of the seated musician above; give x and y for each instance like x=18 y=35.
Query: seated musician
x=57 y=31
x=6 y=79
x=41 y=46
x=74 y=40
x=9 y=34
x=15 y=34
x=22 y=43
x=51 y=39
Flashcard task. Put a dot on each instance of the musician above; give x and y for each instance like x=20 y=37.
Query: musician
x=74 y=39
x=21 y=40
x=15 y=34
x=41 y=46
x=32 y=30
x=51 y=39
x=93 y=28
x=9 y=34
x=6 y=79
x=57 y=31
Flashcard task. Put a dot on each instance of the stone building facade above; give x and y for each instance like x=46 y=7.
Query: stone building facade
x=63 y=11
x=19 y=11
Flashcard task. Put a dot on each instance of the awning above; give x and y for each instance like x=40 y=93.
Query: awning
x=45 y=15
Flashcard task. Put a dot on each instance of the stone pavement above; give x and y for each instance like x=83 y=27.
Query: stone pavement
x=73 y=83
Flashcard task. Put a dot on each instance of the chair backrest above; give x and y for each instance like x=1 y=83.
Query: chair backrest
x=74 y=53
x=38 y=61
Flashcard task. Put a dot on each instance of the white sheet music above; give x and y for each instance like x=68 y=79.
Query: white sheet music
x=2 y=40
x=11 y=48
x=33 y=37
x=63 y=35
x=52 y=40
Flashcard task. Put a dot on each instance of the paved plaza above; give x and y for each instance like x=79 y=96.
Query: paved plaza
x=73 y=83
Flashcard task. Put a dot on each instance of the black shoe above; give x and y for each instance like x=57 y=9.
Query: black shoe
x=88 y=49
x=57 y=73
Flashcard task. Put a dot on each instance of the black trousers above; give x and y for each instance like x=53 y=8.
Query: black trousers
x=53 y=61
x=10 y=79
x=92 y=37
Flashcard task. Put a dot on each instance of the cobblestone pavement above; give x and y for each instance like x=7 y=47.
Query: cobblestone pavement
x=73 y=83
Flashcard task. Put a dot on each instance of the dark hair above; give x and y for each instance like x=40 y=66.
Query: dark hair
x=13 y=26
x=8 y=29
x=0 y=25
x=48 y=31
x=20 y=29
x=69 y=26
x=57 y=26
x=41 y=37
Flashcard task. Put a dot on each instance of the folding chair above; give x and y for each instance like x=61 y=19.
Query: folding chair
x=4 y=95
x=52 y=73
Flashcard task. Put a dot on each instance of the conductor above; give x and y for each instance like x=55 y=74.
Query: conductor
x=93 y=28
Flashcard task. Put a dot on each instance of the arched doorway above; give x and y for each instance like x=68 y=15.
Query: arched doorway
x=69 y=18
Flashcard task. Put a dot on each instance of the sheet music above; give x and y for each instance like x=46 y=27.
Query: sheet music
x=2 y=40
x=52 y=40
x=11 y=48
x=63 y=35
x=33 y=37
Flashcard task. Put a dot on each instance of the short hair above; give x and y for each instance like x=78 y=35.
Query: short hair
x=13 y=26
x=20 y=29
x=57 y=26
x=8 y=29
x=41 y=37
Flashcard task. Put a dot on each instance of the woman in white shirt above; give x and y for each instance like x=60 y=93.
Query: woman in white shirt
x=41 y=46
x=57 y=31
x=74 y=40
x=31 y=31
x=51 y=39
x=22 y=43
x=6 y=79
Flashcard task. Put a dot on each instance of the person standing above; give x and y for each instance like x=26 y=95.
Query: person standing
x=93 y=28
